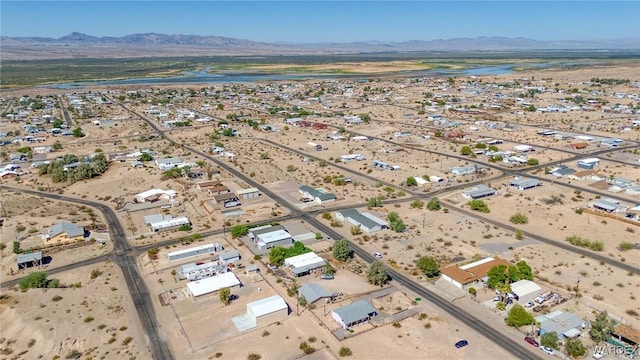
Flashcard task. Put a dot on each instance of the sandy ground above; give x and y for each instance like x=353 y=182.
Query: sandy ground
x=96 y=320
x=447 y=237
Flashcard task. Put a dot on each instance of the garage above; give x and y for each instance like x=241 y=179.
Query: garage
x=268 y=310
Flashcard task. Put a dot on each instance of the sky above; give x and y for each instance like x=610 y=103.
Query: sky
x=326 y=21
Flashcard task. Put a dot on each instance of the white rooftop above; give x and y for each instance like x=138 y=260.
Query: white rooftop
x=479 y=262
x=306 y=259
x=524 y=287
x=266 y=306
x=192 y=249
x=274 y=236
x=211 y=284
x=247 y=191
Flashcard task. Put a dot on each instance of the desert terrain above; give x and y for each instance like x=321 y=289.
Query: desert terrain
x=418 y=126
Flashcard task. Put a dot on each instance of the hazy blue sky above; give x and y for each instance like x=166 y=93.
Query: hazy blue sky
x=327 y=21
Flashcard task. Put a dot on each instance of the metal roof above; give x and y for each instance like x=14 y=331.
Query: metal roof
x=266 y=306
x=355 y=312
x=558 y=321
x=27 y=258
x=211 y=284
x=355 y=215
x=524 y=287
x=72 y=230
x=312 y=292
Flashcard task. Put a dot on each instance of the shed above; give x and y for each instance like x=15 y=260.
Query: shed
x=525 y=290
x=305 y=263
x=213 y=284
x=353 y=314
x=268 y=310
x=230 y=256
x=27 y=260
x=248 y=193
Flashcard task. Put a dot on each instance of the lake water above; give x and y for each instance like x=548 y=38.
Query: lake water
x=205 y=77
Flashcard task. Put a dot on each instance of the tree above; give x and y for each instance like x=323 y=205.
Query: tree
x=479 y=205
x=434 y=204
x=519 y=316
x=146 y=157
x=239 y=230
x=395 y=223
x=575 y=348
x=77 y=132
x=466 y=150
x=519 y=218
x=224 y=295
x=532 y=161
x=341 y=250
x=429 y=266
x=378 y=273
x=496 y=275
x=57 y=123
x=34 y=280
x=277 y=255
x=291 y=168
x=525 y=270
x=549 y=339
x=99 y=164
x=493 y=148
x=411 y=181
x=601 y=327
x=375 y=201
x=57 y=146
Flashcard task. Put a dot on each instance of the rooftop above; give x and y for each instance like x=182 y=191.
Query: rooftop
x=355 y=312
x=267 y=305
x=474 y=271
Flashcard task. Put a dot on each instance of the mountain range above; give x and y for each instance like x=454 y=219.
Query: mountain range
x=79 y=45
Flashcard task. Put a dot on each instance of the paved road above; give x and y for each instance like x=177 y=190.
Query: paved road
x=125 y=258
x=65 y=113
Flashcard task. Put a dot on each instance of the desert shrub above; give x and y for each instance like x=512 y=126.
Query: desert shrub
x=344 y=351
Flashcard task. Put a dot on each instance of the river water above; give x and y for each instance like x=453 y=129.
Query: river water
x=206 y=77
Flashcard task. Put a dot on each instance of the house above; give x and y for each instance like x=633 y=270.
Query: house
x=318 y=196
x=191 y=252
x=562 y=171
x=586 y=175
x=313 y=292
x=154 y=195
x=353 y=314
x=525 y=291
x=248 y=193
x=212 y=284
x=365 y=221
x=565 y=324
x=165 y=222
x=272 y=239
x=268 y=310
x=608 y=205
x=217 y=189
x=64 y=232
x=168 y=163
x=524 y=184
x=621 y=182
x=463 y=170
x=401 y=134
x=304 y=264
x=346 y=158
x=589 y=163
x=227 y=199
x=470 y=274
x=478 y=192
x=198 y=271
x=633 y=190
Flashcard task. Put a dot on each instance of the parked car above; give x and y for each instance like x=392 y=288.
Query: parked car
x=528 y=305
x=327 y=277
x=547 y=350
x=461 y=343
x=377 y=255
x=531 y=341
x=497 y=298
